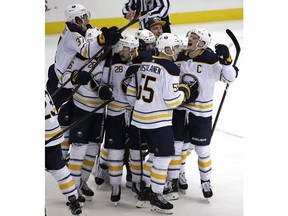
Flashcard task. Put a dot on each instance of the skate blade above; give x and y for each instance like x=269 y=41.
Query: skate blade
x=172 y=196
x=162 y=211
x=128 y=184
x=115 y=204
x=143 y=204
x=182 y=191
x=88 y=198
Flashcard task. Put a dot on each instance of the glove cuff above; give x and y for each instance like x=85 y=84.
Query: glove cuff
x=74 y=76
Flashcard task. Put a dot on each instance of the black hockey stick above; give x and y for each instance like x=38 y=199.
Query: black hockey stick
x=99 y=60
x=80 y=120
x=80 y=69
x=135 y=19
x=238 y=49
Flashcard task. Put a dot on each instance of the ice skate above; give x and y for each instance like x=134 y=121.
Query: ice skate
x=81 y=199
x=87 y=191
x=183 y=185
x=142 y=194
x=171 y=189
x=116 y=194
x=128 y=178
x=101 y=173
x=207 y=190
x=74 y=205
x=160 y=204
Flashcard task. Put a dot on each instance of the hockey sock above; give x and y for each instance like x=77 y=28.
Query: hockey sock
x=204 y=162
x=159 y=173
x=65 y=145
x=115 y=168
x=89 y=160
x=147 y=170
x=175 y=163
x=65 y=181
x=135 y=165
x=77 y=154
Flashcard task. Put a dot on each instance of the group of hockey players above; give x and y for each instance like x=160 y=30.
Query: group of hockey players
x=160 y=92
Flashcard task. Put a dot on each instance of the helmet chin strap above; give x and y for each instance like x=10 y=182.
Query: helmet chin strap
x=172 y=55
x=197 y=48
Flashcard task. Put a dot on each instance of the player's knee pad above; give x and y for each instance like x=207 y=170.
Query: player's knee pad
x=78 y=135
x=202 y=151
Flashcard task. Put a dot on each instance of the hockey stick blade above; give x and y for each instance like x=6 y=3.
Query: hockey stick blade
x=236 y=44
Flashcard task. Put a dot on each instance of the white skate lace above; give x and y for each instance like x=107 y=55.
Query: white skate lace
x=79 y=192
x=168 y=185
x=115 y=190
x=206 y=186
x=161 y=198
x=85 y=186
x=182 y=178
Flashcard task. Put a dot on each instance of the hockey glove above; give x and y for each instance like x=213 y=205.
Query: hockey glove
x=223 y=54
x=192 y=83
x=132 y=70
x=80 y=77
x=111 y=35
x=184 y=88
x=115 y=35
x=104 y=92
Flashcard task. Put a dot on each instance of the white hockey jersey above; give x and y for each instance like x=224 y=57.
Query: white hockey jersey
x=120 y=103
x=52 y=126
x=157 y=93
x=71 y=42
x=207 y=70
x=85 y=98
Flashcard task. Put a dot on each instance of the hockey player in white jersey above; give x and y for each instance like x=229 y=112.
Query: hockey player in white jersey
x=71 y=42
x=199 y=64
x=85 y=138
x=158 y=94
x=146 y=41
x=118 y=111
x=54 y=164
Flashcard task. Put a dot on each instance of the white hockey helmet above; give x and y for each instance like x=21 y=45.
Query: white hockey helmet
x=147 y=36
x=203 y=35
x=183 y=42
x=129 y=41
x=75 y=10
x=167 y=40
x=91 y=34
